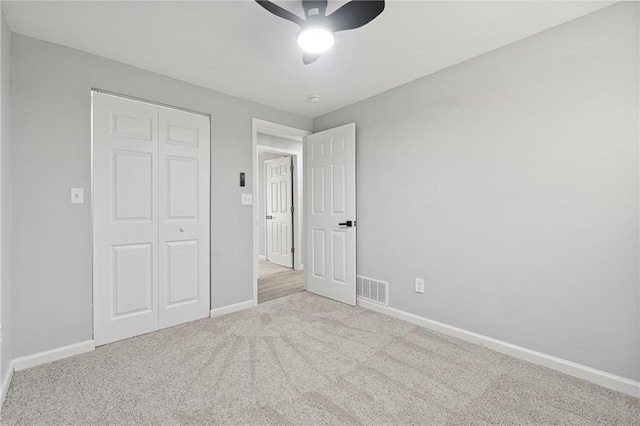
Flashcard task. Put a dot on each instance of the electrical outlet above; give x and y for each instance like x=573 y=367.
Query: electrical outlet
x=419 y=285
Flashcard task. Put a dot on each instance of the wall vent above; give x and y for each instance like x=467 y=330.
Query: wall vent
x=372 y=290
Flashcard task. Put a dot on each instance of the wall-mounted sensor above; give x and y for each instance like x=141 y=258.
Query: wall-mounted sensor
x=242 y=183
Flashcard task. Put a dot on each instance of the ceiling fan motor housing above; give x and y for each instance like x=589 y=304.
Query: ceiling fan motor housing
x=317 y=29
x=314 y=8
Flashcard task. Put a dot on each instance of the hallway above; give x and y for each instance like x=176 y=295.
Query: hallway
x=275 y=281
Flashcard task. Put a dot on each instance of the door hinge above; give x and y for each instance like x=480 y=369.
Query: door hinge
x=292 y=209
x=293 y=250
x=291 y=167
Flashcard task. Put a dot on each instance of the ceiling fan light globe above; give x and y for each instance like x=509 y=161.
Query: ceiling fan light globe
x=315 y=39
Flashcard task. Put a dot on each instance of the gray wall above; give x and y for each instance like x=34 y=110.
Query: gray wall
x=510 y=183
x=5 y=201
x=51 y=153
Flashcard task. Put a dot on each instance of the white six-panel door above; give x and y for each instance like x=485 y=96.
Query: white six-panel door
x=279 y=215
x=331 y=201
x=125 y=218
x=184 y=217
x=147 y=274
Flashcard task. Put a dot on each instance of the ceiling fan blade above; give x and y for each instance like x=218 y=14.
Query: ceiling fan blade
x=282 y=13
x=314 y=8
x=355 y=14
x=309 y=58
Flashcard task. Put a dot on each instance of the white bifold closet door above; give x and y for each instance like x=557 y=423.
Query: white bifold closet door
x=150 y=217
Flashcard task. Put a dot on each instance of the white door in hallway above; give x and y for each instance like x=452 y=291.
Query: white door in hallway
x=150 y=217
x=330 y=177
x=279 y=200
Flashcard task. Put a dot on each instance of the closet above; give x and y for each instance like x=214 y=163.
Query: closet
x=150 y=208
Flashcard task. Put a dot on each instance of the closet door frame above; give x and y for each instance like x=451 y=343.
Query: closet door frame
x=205 y=214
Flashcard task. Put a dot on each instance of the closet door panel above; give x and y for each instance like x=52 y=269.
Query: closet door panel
x=184 y=154
x=125 y=218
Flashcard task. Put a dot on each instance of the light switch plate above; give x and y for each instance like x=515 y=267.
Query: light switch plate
x=247 y=199
x=77 y=195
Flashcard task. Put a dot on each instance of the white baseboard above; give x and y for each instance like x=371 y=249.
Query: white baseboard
x=599 y=377
x=53 y=355
x=217 y=312
x=6 y=382
x=262 y=257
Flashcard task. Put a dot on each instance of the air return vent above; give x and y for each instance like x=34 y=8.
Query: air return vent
x=372 y=290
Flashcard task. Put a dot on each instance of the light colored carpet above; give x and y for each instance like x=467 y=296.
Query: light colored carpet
x=303 y=359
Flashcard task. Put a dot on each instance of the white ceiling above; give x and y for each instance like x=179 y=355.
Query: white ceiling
x=239 y=48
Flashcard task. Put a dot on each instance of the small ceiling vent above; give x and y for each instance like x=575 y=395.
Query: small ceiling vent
x=371 y=290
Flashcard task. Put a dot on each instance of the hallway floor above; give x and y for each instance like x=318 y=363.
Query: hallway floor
x=275 y=281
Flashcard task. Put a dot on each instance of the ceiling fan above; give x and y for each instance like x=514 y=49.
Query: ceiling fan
x=317 y=30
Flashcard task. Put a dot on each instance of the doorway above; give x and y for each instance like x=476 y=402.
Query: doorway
x=325 y=217
x=277 y=227
x=278 y=210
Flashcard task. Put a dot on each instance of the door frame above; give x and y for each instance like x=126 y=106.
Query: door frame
x=95 y=90
x=259 y=126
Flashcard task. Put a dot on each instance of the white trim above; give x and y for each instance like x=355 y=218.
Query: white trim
x=217 y=312
x=276 y=150
x=262 y=257
x=6 y=382
x=274 y=129
x=146 y=101
x=45 y=357
x=278 y=130
x=599 y=377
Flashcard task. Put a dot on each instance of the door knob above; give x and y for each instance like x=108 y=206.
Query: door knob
x=269 y=217
x=348 y=224
x=182 y=229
